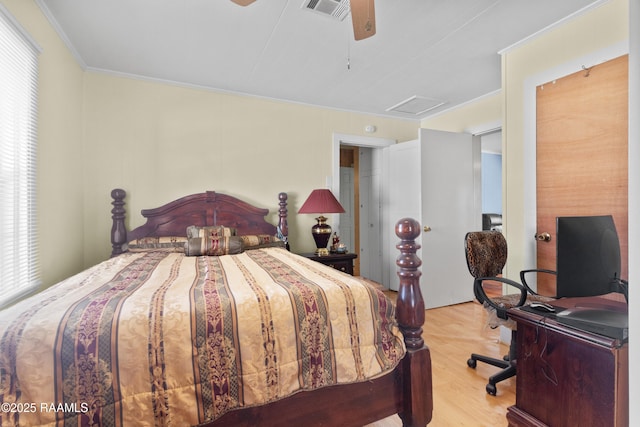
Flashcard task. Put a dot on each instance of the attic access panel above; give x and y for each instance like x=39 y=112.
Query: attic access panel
x=416 y=105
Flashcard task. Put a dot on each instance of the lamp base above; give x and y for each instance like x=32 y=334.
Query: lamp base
x=322 y=251
x=321 y=233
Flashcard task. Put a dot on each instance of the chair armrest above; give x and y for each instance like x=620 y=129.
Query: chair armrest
x=482 y=296
x=533 y=270
x=621 y=286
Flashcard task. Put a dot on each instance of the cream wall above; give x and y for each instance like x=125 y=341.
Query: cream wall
x=481 y=112
x=159 y=142
x=597 y=35
x=593 y=31
x=59 y=166
x=86 y=151
x=634 y=204
x=596 y=31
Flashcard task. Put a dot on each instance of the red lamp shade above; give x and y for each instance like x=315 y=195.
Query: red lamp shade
x=321 y=201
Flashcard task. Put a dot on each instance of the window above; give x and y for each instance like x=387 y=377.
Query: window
x=18 y=109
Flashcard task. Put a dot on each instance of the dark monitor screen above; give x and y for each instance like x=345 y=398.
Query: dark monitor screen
x=588 y=255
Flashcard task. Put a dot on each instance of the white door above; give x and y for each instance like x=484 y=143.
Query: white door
x=401 y=165
x=346 y=200
x=370 y=167
x=436 y=180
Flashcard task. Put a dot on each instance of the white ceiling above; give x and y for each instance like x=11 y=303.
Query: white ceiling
x=443 y=50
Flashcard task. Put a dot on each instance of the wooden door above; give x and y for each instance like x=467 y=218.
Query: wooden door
x=581 y=154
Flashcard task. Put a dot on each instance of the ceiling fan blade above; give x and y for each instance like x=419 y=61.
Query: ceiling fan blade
x=243 y=2
x=363 y=15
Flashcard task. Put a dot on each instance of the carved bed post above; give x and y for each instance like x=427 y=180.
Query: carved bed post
x=410 y=305
x=417 y=404
x=283 y=227
x=118 y=229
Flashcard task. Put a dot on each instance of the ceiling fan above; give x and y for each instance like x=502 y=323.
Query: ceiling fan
x=362 y=15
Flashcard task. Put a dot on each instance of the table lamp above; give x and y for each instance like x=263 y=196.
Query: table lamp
x=321 y=201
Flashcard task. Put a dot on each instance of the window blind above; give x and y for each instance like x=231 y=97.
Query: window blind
x=19 y=272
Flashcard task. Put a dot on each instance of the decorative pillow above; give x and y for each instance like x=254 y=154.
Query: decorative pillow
x=213 y=230
x=213 y=245
x=170 y=244
x=257 y=241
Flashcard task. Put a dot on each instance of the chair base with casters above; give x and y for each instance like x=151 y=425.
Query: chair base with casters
x=486 y=254
x=508 y=363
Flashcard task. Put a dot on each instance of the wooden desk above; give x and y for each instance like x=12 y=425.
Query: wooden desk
x=567 y=377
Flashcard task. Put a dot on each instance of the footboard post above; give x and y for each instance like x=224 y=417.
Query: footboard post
x=118 y=229
x=410 y=305
x=417 y=401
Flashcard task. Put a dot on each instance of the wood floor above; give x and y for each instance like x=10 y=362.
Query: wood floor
x=459 y=397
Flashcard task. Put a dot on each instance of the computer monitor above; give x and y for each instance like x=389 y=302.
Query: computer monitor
x=588 y=256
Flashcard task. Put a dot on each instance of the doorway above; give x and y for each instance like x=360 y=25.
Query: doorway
x=349 y=198
x=434 y=179
x=491 y=171
x=363 y=227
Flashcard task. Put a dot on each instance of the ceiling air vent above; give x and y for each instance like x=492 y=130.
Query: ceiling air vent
x=337 y=9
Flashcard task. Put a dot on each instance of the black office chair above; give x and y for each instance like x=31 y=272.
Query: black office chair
x=486 y=253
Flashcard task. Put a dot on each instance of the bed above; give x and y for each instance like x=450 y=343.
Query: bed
x=202 y=316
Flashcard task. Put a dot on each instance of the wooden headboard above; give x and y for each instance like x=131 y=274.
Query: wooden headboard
x=202 y=209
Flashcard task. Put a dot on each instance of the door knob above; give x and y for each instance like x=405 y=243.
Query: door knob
x=427 y=229
x=543 y=237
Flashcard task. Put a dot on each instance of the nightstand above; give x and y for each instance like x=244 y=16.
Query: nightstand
x=342 y=262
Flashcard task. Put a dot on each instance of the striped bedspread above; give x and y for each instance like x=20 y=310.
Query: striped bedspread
x=159 y=338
